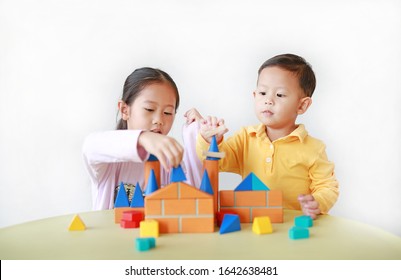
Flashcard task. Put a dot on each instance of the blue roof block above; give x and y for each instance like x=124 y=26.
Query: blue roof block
x=122 y=198
x=177 y=175
x=251 y=183
x=206 y=186
x=213 y=148
x=152 y=158
x=152 y=183
x=230 y=223
x=137 y=198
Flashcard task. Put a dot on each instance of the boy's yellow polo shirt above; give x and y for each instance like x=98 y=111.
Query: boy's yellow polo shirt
x=296 y=164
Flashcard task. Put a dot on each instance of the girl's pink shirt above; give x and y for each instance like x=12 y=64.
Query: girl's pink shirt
x=111 y=157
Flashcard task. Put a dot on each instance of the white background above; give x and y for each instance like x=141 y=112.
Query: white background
x=63 y=64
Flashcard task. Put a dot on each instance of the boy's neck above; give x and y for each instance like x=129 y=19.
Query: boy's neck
x=277 y=133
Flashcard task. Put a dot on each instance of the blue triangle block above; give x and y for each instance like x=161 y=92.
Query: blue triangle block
x=177 y=175
x=206 y=186
x=230 y=223
x=152 y=183
x=137 y=198
x=251 y=183
x=213 y=148
x=152 y=158
x=122 y=198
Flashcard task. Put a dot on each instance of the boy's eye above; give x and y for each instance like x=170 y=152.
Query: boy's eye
x=280 y=95
x=262 y=93
x=149 y=109
x=168 y=113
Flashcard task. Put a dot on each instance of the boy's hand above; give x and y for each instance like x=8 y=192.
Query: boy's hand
x=167 y=150
x=309 y=205
x=211 y=126
x=192 y=115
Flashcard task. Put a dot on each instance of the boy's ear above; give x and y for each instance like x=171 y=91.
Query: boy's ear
x=304 y=104
x=123 y=108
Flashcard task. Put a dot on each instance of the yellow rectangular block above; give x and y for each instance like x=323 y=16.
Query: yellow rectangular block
x=149 y=228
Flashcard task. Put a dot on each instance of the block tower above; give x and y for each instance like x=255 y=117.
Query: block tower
x=152 y=164
x=211 y=165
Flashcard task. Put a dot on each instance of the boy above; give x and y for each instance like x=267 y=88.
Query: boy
x=279 y=151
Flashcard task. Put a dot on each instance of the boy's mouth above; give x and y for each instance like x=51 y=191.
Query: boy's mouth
x=267 y=113
x=156 y=130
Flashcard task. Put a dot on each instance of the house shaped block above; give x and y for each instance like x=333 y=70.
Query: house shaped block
x=179 y=207
x=248 y=204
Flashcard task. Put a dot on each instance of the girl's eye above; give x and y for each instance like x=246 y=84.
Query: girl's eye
x=280 y=95
x=149 y=110
x=168 y=113
x=262 y=93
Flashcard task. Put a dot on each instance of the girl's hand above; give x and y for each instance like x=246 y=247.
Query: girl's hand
x=192 y=115
x=211 y=126
x=309 y=205
x=167 y=150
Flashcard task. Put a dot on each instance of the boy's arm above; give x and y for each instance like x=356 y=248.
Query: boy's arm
x=324 y=186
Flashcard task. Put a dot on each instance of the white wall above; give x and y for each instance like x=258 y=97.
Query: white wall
x=63 y=63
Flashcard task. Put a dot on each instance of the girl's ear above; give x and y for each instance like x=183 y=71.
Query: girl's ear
x=123 y=108
x=304 y=104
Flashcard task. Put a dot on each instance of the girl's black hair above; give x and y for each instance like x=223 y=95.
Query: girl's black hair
x=138 y=80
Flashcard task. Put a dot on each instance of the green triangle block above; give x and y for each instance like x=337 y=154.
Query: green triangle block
x=251 y=183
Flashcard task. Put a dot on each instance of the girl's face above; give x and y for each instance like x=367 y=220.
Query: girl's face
x=152 y=110
x=279 y=99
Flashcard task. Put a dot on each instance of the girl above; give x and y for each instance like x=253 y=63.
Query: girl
x=148 y=107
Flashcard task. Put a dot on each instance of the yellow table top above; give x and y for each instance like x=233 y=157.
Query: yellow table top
x=330 y=238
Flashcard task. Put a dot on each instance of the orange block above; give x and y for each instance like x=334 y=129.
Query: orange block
x=205 y=206
x=250 y=198
x=187 y=191
x=275 y=198
x=118 y=213
x=197 y=225
x=226 y=198
x=170 y=191
x=168 y=225
x=179 y=206
x=153 y=207
x=276 y=215
x=212 y=167
x=155 y=165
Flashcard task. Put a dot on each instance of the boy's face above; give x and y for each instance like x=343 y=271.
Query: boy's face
x=279 y=99
x=153 y=109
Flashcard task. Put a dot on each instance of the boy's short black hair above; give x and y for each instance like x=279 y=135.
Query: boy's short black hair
x=297 y=65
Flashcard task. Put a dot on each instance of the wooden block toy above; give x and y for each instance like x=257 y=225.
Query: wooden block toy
x=145 y=243
x=149 y=228
x=262 y=225
x=137 y=198
x=298 y=233
x=152 y=185
x=177 y=174
x=303 y=221
x=251 y=182
x=217 y=130
x=131 y=219
x=206 y=186
x=230 y=223
x=220 y=216
x=152 y=164
x=76 y=224
x=179 y=207
x=122 y=198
